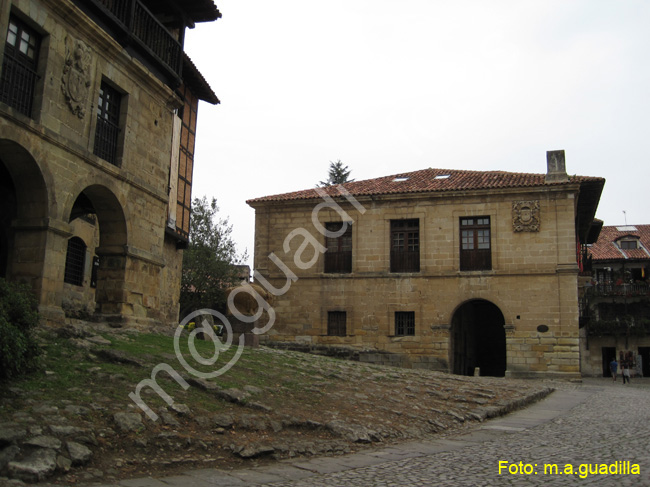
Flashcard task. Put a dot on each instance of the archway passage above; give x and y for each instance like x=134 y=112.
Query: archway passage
x=103 y=213
x=478 y=339
x=8 y=212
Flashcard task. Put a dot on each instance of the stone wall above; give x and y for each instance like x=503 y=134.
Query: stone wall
x=51 y=159
x=533 y=280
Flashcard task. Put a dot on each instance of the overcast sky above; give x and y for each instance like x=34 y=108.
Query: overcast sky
x=390 y=87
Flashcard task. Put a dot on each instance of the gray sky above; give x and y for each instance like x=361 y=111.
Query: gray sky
x=391 y=87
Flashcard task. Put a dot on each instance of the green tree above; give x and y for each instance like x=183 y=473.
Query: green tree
x=209 y=260
x=338 y=174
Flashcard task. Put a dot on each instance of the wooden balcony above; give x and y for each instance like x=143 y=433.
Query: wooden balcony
x=137 y=30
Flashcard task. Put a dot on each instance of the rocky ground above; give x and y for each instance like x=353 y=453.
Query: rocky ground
x=294 y=404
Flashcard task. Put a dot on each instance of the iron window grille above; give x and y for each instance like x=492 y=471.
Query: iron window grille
x=75 y=262
x=405 y=245
x=108 y=119
x=404 y=323
x=19 y=65
x=475 y=244
x=338 y=257
x=336 y=323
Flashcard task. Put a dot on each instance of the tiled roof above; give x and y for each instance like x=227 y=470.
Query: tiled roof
x=197 y=83
x=431 y=181
x=606 y=248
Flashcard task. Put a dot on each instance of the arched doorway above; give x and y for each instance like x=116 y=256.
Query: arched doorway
x=100 y=212
x=478 y=339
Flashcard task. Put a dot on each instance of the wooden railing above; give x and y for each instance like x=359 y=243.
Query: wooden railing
x=624 y=289
x=137 y=21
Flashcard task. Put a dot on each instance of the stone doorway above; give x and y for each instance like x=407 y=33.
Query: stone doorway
x=478 y=339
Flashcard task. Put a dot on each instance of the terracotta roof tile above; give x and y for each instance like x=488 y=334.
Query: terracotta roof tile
x=430 y=181
x=606 y=248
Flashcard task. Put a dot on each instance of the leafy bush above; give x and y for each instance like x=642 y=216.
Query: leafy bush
x=18 y=315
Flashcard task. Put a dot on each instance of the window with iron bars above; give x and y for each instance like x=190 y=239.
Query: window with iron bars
x=405 y=245
x=336 y=323
x=75 y=262
x=19 y=65
x=108 y=118
x=404 y=323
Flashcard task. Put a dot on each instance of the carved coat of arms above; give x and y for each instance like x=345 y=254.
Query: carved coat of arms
x=76 y=76
x=525 y=216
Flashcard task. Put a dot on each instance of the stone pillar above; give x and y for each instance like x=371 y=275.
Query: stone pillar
x=39 y=259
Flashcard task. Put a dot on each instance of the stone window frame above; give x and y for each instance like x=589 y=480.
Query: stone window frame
x=468 y=257
x=404 y=322
x=334 y=325
x=339 y=260
x=109 y=123
x=325 y=310
x=40 y=62
x=399 y=228
x=390 y=327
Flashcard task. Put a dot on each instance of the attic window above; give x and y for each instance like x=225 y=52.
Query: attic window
x=628 y=244
x=627 y=228
x=442 y=176
x=399 y=179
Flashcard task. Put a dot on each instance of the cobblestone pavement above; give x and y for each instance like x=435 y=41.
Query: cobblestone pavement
x=594 y=423
x=612 y=424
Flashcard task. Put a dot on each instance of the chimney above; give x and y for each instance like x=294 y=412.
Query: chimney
x=555 y=167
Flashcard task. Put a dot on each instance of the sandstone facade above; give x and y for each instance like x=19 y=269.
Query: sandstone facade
x=517 y=318
x=57 y=185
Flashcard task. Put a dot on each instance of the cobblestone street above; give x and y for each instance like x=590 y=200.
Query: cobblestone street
x=611 y=425
x=597 y=422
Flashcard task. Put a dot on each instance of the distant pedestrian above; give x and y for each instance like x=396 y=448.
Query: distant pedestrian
x=626 y=372
x=613 y=368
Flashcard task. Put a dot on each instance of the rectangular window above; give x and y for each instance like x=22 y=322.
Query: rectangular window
x=404 y=322
x=336 y=323
x=19 y=66
x=108 y=123
x=188 y=116
x=475 y=246
x=405 y=245
x=75 y=262
x=628 y=244
x=338 y=257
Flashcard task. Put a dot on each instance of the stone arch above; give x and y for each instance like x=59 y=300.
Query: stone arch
x=478 y=339
x=100 y=202
x=24 y=210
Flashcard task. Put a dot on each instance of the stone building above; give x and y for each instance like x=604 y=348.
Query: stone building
x=98 y=110
x=440 y=269
x=616 y=301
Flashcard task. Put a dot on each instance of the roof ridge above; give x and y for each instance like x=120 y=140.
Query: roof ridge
x=425 y=181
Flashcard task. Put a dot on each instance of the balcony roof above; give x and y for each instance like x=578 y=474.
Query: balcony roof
x=194 y=10
x=196 y=82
